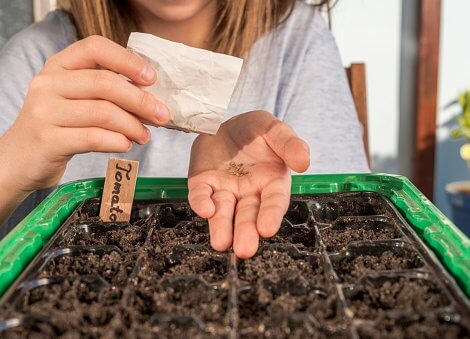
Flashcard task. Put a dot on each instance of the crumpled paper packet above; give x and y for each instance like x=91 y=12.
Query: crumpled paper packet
x=195 y=84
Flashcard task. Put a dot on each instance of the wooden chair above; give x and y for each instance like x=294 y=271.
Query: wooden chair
x=357 y=82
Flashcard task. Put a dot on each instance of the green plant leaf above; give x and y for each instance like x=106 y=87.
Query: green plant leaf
x=456 y=134
x=463 y=118
x=464 y=102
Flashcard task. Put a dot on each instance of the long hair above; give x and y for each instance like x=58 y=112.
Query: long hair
x=240 y=22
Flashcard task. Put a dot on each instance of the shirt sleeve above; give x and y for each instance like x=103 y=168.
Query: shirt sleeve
x=321 y=109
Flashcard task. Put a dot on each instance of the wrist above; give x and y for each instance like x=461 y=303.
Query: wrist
x=10 y=177
x=11 y=195
x=9 y=189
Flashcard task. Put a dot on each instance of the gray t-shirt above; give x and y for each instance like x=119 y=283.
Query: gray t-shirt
x=295 y=73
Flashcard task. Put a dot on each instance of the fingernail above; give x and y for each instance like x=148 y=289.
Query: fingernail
x=161 y=113
x=148 y=73
x=146 y=136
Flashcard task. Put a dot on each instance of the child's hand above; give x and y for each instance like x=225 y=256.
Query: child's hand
x=243 y=202
x=78 y=103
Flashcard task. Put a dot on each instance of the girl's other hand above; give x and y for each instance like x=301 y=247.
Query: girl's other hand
x=79 y=103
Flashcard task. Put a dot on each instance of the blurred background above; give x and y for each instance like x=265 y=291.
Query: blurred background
x=417 y=59
x=385 y=35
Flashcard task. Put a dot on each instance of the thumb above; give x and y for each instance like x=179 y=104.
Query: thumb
x=294 y=151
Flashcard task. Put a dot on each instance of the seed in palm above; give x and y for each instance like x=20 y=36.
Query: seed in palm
x=238 y=169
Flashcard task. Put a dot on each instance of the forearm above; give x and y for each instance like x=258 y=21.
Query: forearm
x=10 y=195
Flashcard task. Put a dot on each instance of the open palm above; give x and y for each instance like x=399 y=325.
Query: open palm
x=240 y=179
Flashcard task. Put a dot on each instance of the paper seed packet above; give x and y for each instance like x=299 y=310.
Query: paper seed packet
x=195 y=84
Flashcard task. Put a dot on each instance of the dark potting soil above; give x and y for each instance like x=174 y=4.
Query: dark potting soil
x=411 y=327
x=175 y=330
x=192 y=298
x=302 y=237
x=196 y=233
x=170 y=215
x=369 y=301
x=210 y=266
x=297 y=213
x=268 y=304
x=274 y=264
x=338 y=237
x=184 y=250
x=349 y=269
x=89 y=212
x=35 y=330
x=327 y=210
x=113 y=267
x=166 y=281
x=73 y=309
x=57 y=297
x=186 y=302
x=126 y=238
x=262 y=315
x=80 y=309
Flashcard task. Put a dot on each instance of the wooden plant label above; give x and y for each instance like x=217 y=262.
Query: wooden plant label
x=118 y=192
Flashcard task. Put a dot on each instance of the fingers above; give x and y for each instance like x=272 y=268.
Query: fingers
x=246 y=238
x=274 y=204
x=220 y=224
x=96 y=51
x=103 y=114
x=106 y=85
x=91 y=139
x=200 y=199
x=288 y=146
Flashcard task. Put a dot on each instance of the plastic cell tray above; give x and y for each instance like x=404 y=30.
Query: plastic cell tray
x=344 y=264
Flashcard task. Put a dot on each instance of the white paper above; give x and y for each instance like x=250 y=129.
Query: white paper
x=195 y=84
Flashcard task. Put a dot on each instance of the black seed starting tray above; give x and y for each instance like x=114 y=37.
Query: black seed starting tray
x=342 y=265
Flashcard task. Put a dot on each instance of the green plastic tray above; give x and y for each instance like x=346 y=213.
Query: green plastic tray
x=450 y=245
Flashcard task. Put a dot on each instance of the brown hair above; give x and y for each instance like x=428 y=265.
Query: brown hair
x=240 y=23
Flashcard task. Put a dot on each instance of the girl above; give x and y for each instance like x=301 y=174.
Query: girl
x=62 y=102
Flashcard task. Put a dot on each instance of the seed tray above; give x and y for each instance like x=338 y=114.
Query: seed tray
x=158 y=276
